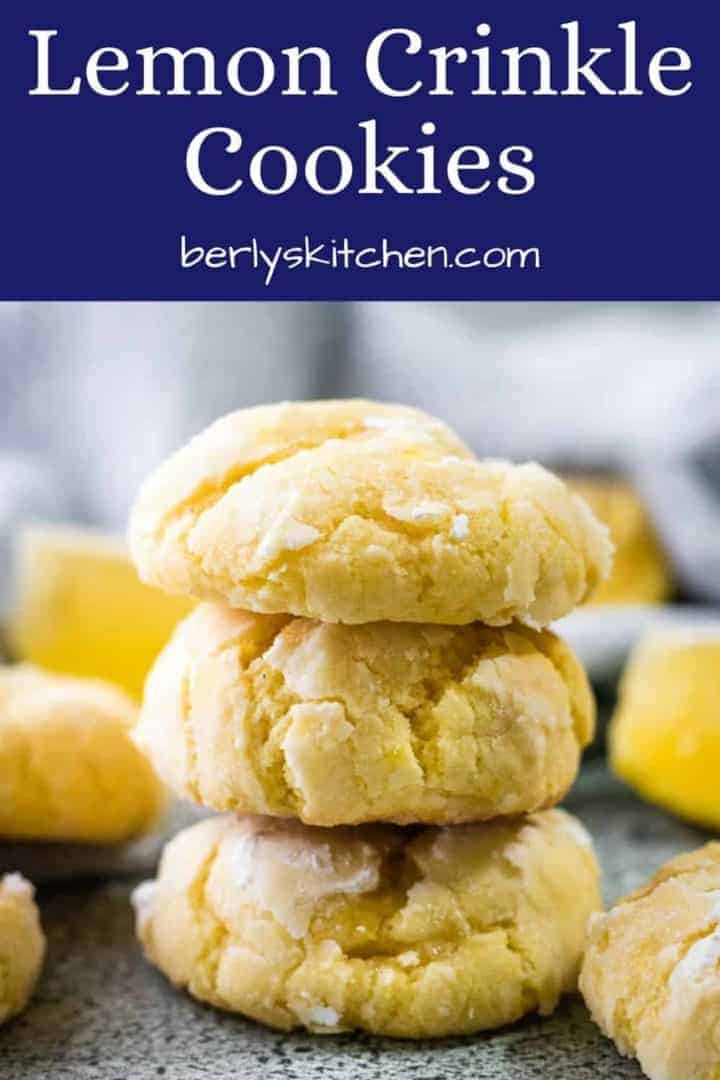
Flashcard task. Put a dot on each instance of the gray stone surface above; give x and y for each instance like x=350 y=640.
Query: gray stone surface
x=100 y=1013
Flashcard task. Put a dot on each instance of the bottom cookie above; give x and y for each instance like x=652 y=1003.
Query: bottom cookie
x=403 y=932
x=22 y=944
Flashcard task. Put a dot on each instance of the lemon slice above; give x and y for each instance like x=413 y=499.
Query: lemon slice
x=665 y=735
x=80 y=608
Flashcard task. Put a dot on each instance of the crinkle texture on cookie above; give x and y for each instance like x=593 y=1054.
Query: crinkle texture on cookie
x=651 y=975
x=403 y=932
x=355 y=512
x=69 y=769
x=337 y=725
x=664 y=734
x=22 y=944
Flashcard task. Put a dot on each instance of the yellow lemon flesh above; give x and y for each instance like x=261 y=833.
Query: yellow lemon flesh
x=665 y=735
x=81 y=610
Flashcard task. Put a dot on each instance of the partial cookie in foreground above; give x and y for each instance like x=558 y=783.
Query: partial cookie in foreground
x=400 y=932
x=69 y=769
x=651 y=975
x=664 y=734
x=22 y=944
x=355 y=512
x=345 y=724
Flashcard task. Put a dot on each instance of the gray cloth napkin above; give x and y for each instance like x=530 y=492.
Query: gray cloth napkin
x=684 y=496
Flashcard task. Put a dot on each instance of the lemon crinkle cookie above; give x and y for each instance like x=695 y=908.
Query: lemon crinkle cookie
x=651 y=974
x=345 y=724
x=22 y=944
x=409 y=933
x=355 y=512
x=69 y=769
x=641 y=572
x=664 y=734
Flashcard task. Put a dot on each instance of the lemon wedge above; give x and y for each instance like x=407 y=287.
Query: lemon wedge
x=80 y=608
x=665 y=735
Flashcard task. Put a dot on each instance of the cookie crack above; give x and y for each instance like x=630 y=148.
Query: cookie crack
x=210 y=492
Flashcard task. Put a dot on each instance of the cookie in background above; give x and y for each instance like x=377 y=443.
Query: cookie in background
x=69 y=769
x=641 y=572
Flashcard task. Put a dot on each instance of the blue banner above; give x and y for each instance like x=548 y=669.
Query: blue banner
x=374 y=151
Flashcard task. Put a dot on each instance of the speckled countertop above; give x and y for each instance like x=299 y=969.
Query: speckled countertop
x=100 y=1013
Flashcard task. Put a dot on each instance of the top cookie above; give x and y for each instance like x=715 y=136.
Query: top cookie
x=354 y=512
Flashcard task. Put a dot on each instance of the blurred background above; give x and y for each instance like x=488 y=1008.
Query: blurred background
x=626 y=398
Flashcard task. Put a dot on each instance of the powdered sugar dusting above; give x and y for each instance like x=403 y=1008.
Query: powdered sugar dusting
x=572 y=827
x=699 y=963
x=286 y=534
x=286 y=872
x=16 y=885
x=428 y=510
x=323 y=1016
x=676 y=1048
x=460 y=528
x=142 y=899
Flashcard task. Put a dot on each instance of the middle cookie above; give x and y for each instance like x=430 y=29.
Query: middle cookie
x=338 y=725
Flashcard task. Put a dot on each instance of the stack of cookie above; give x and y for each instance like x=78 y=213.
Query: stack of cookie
x=372 y=651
